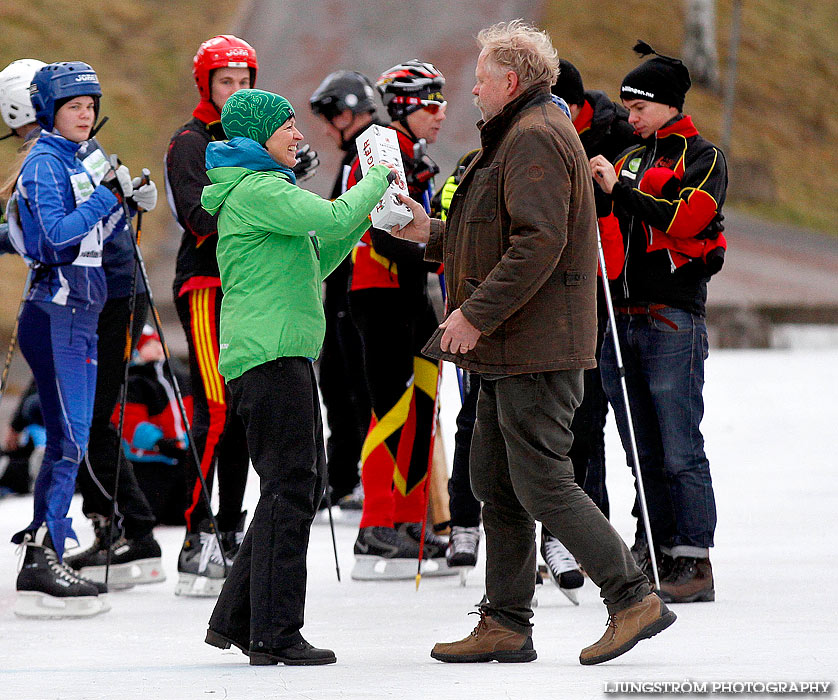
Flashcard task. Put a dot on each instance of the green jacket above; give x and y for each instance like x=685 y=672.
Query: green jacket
x=276 y=244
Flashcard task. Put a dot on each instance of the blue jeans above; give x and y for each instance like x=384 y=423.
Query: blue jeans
x=665 y=377
x=59 y=343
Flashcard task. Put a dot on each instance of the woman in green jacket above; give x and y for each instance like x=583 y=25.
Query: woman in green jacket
x=276 y=244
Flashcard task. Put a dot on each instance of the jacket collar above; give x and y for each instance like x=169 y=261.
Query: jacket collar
x=492 y=130
x=682 y=125
x=58 y=144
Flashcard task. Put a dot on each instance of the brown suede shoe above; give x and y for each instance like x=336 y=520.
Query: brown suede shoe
x=689 y=581
x=627 y=627
x=489 y=641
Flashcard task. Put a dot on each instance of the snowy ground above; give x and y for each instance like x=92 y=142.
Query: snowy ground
x=773 y=445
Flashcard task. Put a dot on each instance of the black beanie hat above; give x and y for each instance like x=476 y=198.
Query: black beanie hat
x=569 y=84
x=660 y=79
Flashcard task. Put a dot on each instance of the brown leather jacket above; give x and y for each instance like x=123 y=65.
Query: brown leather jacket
x=519 y=244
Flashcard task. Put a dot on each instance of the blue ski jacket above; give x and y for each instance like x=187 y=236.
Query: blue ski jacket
x=64 y=215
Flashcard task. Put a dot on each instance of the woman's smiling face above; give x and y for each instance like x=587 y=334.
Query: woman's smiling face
x=282 y=145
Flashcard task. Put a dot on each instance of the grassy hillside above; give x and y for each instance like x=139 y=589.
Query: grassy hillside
x=142 y=51
x=783 y=160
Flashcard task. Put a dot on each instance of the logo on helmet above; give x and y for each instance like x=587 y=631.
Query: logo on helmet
x=236 y=52
x=86 y=78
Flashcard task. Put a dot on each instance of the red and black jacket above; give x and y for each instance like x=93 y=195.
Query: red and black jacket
x=667 y=206
x=186 y=177
x=381 y=261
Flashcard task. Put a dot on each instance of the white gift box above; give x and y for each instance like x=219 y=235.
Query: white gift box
x=377 y=144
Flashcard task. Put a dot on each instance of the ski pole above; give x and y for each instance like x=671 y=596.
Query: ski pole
x=123 y=394
x=13 y=340
x=621 y=370
x=158 y=326
x=328 y=497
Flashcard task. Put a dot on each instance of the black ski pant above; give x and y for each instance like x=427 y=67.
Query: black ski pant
x=341 y=375
x=464 y=507
x=217 y=431
x=263 y=599
x=97 y=473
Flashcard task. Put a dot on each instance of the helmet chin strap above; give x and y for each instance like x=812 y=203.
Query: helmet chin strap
x=403 y=122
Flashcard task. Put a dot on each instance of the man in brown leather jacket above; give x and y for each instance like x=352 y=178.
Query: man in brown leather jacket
x=519 y=248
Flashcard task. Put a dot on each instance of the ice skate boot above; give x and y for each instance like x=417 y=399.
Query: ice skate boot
x=353 y=501
x=461 y=553
x=133 y=562
x=433 y=552
x=562 y=567
x=201 y=564
x=48 y=589
x=381 y=553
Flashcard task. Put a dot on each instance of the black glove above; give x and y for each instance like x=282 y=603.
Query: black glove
x=307 y=162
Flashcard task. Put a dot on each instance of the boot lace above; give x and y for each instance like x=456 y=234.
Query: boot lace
x=558 y=558
x=210 y=552
x=464 y=539
x=481 y=625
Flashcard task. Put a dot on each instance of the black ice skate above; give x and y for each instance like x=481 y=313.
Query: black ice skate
x=434 y=561
x=381 y=553
x=562 y=567
x=133 y=562
x=462 y=550
x=48 y=589
x=232 y=540
x=201 y=564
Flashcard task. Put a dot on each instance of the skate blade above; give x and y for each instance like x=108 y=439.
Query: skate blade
x=41 y=605
x=340 y=516
x=128 y=575
x=437 y=567
x=572 y=594
x=119 y=578
x=464 y=571
x=150 y=571
x=194 y=586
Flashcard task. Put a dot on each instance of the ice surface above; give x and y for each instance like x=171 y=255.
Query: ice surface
x=772 y=440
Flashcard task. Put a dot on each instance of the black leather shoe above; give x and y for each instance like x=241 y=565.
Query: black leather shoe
x=299 y=654
x=216 y=639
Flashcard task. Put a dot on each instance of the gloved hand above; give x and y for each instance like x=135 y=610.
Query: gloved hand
x=145 y=196
x=307 y=162
x=118 y=181
x=146 y=436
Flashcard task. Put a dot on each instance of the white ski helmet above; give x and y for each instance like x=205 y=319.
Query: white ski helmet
x=15 y=106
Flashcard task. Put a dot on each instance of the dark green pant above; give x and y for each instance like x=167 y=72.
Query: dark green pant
x=520 y=470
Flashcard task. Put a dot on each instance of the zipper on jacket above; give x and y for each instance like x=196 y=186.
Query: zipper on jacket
x=313 y=240
x=631 y=226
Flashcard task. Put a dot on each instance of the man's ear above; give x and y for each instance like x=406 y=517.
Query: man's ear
x=511 y=82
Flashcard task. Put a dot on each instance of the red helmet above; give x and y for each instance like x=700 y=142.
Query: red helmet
x=224 y=51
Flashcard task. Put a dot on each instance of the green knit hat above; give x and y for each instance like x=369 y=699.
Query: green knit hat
x=255 y=114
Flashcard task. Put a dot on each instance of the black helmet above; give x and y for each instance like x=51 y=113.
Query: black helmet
x=409 y=86
x=342 y=90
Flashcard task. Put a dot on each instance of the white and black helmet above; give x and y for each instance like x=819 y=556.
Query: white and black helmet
x=15 y=106
x=342 y=90
x=409 y=86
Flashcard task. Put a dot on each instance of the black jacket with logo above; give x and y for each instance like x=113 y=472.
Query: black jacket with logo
x=668 y=204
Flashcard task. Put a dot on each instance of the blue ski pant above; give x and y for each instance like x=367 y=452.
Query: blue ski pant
x=59 y=343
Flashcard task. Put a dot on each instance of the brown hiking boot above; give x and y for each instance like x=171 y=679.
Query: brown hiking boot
x=489 y=641
x=689 y=581
x=626 y=628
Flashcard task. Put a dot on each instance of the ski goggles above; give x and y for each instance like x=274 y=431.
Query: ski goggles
x=432 y=106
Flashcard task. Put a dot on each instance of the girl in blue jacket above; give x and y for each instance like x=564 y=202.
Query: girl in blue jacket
x=59 y=214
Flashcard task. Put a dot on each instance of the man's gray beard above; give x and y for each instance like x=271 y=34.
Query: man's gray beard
x=486 y=117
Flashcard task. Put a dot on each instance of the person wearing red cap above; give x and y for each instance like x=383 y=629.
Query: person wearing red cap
x=665 y=200
x=221 y=66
